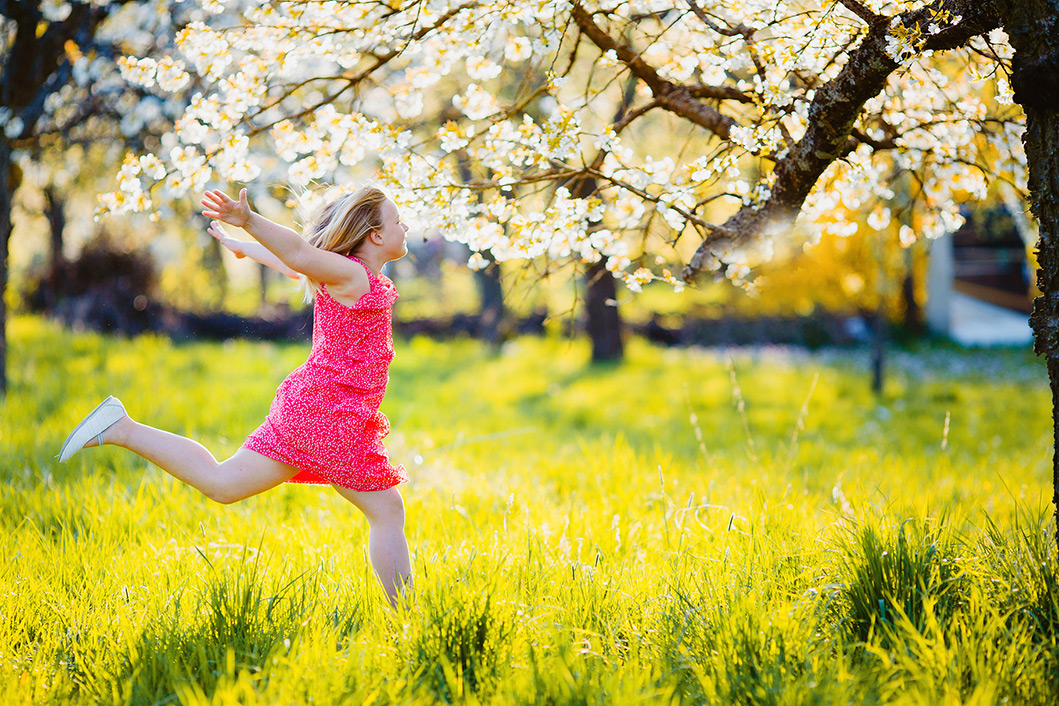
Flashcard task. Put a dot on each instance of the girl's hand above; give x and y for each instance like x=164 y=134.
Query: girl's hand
x=236 y=246
x=221 y=206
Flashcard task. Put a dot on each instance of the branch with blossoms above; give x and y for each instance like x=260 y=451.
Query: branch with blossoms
x=783 y=113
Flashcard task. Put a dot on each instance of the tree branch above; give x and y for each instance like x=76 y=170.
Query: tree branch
x=832 y=115
x=674 y=97
x=864 y=12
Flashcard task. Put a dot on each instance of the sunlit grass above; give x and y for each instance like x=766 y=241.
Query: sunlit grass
x=589 y=535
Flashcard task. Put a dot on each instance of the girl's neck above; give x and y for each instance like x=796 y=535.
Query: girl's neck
x=372 y=260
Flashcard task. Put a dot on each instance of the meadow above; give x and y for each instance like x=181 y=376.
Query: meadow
x=694 y=526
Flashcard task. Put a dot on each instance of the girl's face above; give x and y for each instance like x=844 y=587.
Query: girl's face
x=393 y=232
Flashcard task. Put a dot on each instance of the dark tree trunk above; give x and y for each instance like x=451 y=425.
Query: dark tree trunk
x=603 y=320
x=913 y=314
x=55 y=211
x=878 y=349
x=1032 y=26
x=492 y=311
x=35 y=65
x=8 y=183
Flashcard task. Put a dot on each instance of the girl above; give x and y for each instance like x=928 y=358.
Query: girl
x=324 y=425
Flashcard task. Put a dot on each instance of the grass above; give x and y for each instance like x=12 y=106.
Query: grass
x=690 y=527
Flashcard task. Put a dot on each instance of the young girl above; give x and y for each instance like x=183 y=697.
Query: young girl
x=324 y=425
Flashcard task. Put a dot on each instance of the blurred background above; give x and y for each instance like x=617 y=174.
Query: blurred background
x=70 y=118
x=971 y=287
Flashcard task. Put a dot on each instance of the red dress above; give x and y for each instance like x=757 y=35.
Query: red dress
x=325 y=419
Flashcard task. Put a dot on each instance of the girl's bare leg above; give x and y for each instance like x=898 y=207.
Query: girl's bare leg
x=387 y=545
x=246 y=473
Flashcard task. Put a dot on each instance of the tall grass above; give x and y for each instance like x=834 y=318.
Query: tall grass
x=633 y=534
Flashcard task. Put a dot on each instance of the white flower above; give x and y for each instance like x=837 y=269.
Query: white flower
x=879 y=218
x=152 y=166
x=518 y=49
x=907 y=236
x=476 y=102
x=609 y=59
x=409 y=105
x=480 y=68
x=14 y=127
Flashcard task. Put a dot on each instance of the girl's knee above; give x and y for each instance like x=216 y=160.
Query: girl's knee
x=392 y=505
x=385 y=507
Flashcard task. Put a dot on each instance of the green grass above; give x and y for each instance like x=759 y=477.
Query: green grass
x=581 y=535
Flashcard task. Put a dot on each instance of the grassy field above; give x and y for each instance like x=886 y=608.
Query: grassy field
x=692 y=527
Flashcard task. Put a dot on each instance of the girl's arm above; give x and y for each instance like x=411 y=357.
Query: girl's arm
x=255 y=251
x=321 y=265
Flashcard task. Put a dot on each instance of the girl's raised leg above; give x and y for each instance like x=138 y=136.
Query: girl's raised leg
x=246 y=473
x=387 y=545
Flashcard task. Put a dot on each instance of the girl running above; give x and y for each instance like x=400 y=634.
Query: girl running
x=324 y=425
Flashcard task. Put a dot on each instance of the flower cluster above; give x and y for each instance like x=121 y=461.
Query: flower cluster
x=486 y=124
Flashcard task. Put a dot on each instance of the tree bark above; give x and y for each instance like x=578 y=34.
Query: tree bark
x=603 y=322
x=878 y=349
x=1032 y=26
x=35 y=65
x=913 y=313
x=55 y=211
x=8 y=179
x=491 y=311
x=603 y=319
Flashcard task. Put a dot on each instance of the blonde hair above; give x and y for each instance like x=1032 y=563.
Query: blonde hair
x=342 y=225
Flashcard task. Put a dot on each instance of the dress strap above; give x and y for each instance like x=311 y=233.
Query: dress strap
x=371 y=275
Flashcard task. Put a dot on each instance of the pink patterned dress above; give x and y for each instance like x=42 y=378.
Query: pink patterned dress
x=325 y=419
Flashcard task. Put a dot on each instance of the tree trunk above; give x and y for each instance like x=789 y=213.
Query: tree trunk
x=491 y=312
x=878 y=349
x=55 y=211
x=604 y=321
x=8 y=182
x=1032 y=26
x=913 y=313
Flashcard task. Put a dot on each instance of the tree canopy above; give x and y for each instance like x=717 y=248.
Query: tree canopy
x=707 y=128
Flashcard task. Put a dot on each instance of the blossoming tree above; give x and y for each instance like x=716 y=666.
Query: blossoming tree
x=746 y=121
x=60 y=86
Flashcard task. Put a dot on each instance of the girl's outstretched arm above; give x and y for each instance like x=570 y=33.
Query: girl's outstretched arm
x=248 y=248
x=321 y=265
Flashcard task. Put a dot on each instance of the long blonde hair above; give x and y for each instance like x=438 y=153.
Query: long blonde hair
x=342 y=225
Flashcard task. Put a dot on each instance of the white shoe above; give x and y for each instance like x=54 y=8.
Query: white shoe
x=98 y=421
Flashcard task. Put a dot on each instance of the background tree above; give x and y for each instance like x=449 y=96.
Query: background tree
x=61 y=87
x=752 y=121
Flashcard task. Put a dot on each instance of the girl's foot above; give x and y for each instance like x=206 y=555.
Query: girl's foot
x=90 y=431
